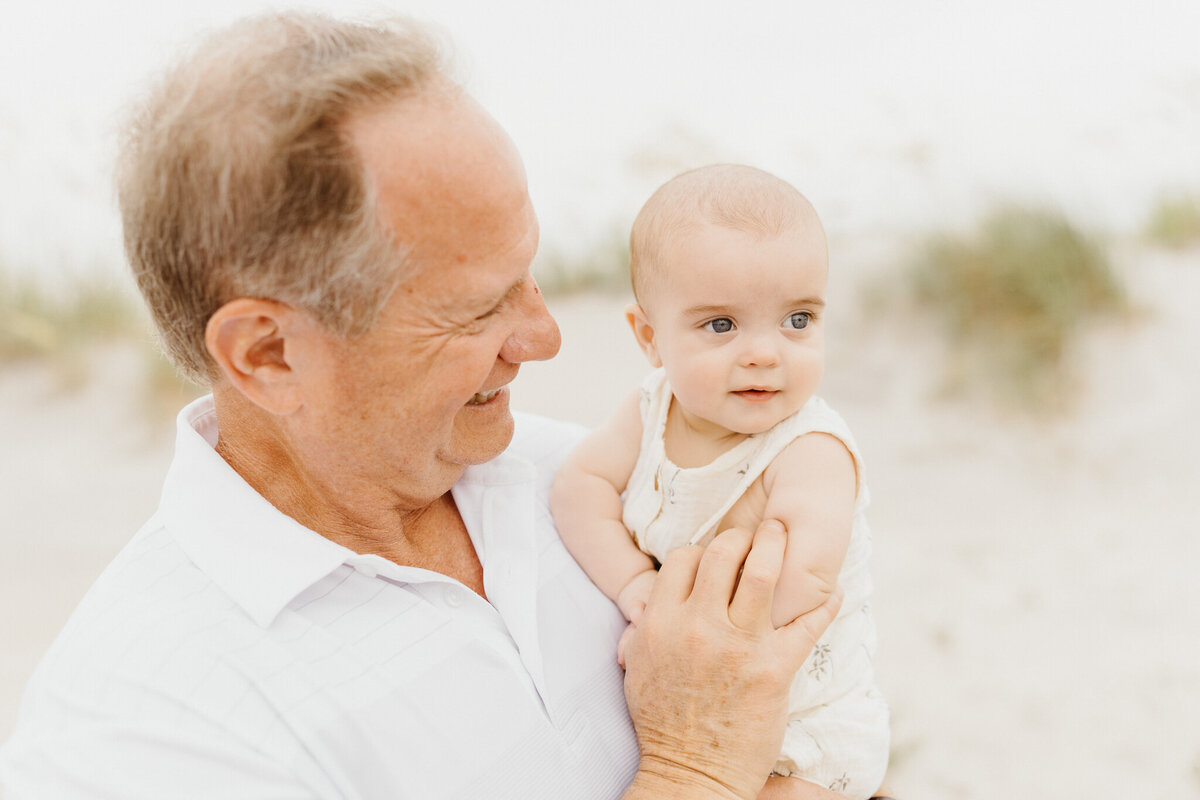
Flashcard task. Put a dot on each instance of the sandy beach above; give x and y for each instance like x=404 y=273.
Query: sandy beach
x=1035 y=583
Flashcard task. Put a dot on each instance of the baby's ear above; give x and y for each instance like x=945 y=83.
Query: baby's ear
x=643 y=331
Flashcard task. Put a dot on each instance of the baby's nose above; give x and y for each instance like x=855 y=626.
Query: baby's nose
x=760 y=351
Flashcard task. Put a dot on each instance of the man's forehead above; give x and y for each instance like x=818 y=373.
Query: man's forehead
x=441 y=167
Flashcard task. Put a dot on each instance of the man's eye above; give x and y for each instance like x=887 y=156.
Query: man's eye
x=719 y=325
x=799 y=321
x=491 y=312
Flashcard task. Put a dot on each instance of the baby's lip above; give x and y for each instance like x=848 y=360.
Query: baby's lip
x=756 y=393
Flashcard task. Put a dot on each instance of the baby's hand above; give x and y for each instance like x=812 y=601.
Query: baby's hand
x=632 y=599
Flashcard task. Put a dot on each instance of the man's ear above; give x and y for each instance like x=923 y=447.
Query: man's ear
x=255 y=344
x=643 y=331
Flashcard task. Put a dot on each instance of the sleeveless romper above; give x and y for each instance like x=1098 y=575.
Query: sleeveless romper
x=837 y=734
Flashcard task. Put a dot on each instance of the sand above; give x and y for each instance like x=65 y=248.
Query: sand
x=1036 y=592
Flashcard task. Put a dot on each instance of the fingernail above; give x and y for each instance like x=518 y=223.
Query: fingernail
x=773 y=523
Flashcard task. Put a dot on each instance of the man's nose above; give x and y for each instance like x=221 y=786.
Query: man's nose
x=536 y=336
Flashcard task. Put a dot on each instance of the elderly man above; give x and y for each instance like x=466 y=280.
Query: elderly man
x=352 y=587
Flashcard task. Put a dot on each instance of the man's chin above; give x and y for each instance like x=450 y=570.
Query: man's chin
x=477 y=444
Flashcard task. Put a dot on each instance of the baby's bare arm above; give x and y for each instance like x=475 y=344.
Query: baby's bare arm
x=586 y=501
x=810 y=488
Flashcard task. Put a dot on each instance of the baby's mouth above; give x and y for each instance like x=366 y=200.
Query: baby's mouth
x=756 y=394
x=482 y=397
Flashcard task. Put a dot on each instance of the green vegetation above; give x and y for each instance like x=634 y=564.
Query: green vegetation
x=1012 y=300
x=59 y=327
x=1175 y=222
x=36 y=322
x=604 y=269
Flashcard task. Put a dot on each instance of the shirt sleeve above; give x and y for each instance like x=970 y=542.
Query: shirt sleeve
x=140 y=760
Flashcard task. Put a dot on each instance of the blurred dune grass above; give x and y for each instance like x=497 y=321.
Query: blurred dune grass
x=602 y=268
x=56 y=327
x=63 y=329
x=1175 y=221
x=1012 y=299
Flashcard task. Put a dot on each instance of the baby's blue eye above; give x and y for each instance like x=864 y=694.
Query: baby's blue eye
x=799 y=320
x=720 y=325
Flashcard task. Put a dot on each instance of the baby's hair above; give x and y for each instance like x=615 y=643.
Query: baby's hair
x=733 y=196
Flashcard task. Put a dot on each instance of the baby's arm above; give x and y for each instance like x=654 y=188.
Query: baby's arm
x=810 y=487
x=586 y=502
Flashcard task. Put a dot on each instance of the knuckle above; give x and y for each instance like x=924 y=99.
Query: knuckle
x=728 y=544
x=757 y=576
x=683 y=554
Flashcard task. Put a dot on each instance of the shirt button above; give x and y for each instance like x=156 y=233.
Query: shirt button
x=453 y=597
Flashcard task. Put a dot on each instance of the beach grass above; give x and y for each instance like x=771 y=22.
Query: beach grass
x=1012 y=300
x=602 y=268
x=56 y=326
x=62 y=328
x=1175 y=221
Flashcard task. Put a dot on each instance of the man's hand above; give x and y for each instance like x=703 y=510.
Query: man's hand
x=708 y=675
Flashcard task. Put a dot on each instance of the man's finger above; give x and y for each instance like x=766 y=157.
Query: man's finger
x=718 y=571
x=756 y=588
x=802 y=633
x=676 y=577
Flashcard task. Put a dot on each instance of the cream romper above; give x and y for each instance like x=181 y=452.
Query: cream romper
x=837 y=734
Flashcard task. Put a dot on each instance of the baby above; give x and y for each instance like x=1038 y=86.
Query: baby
x=729 y=268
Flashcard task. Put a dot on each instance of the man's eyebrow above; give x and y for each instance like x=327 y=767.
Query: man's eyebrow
x=515 y=288
x=493 y=302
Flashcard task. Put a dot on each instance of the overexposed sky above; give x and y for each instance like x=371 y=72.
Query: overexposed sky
x=890 y=116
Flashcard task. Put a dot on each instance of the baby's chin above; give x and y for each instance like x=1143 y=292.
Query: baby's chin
x=759 y=426
x=761 y=423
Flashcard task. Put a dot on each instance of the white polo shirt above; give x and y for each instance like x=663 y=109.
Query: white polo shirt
x=229 y=652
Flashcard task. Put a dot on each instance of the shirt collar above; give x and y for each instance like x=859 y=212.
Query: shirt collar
x=257 y=555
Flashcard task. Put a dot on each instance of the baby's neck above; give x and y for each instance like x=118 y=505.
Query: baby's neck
x=694 y=442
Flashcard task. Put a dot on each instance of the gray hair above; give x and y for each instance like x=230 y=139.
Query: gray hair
x=732 y=196
x=235 y=178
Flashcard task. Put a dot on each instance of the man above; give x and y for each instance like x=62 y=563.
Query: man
x=351 y=588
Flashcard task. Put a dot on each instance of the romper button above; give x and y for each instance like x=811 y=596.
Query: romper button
x=453 y=599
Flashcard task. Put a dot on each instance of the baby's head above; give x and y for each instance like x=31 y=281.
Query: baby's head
x=729 y=267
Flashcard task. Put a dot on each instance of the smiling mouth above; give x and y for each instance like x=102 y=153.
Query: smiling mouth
x=482 y=397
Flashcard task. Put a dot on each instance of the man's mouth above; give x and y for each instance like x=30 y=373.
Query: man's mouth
x=482 y=397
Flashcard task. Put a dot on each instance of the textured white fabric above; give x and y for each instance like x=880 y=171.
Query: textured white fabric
x=229 y=652
x=838 y=722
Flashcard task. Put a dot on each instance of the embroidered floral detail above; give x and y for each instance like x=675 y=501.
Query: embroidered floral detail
x=821 y=662
x=840 y=784
x=667 y=487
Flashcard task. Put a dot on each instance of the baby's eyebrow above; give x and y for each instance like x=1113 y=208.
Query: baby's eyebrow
x=809 y=301
x=705 y=309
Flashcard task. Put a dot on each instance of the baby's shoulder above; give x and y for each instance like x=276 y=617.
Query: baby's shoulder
x=817 y=416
